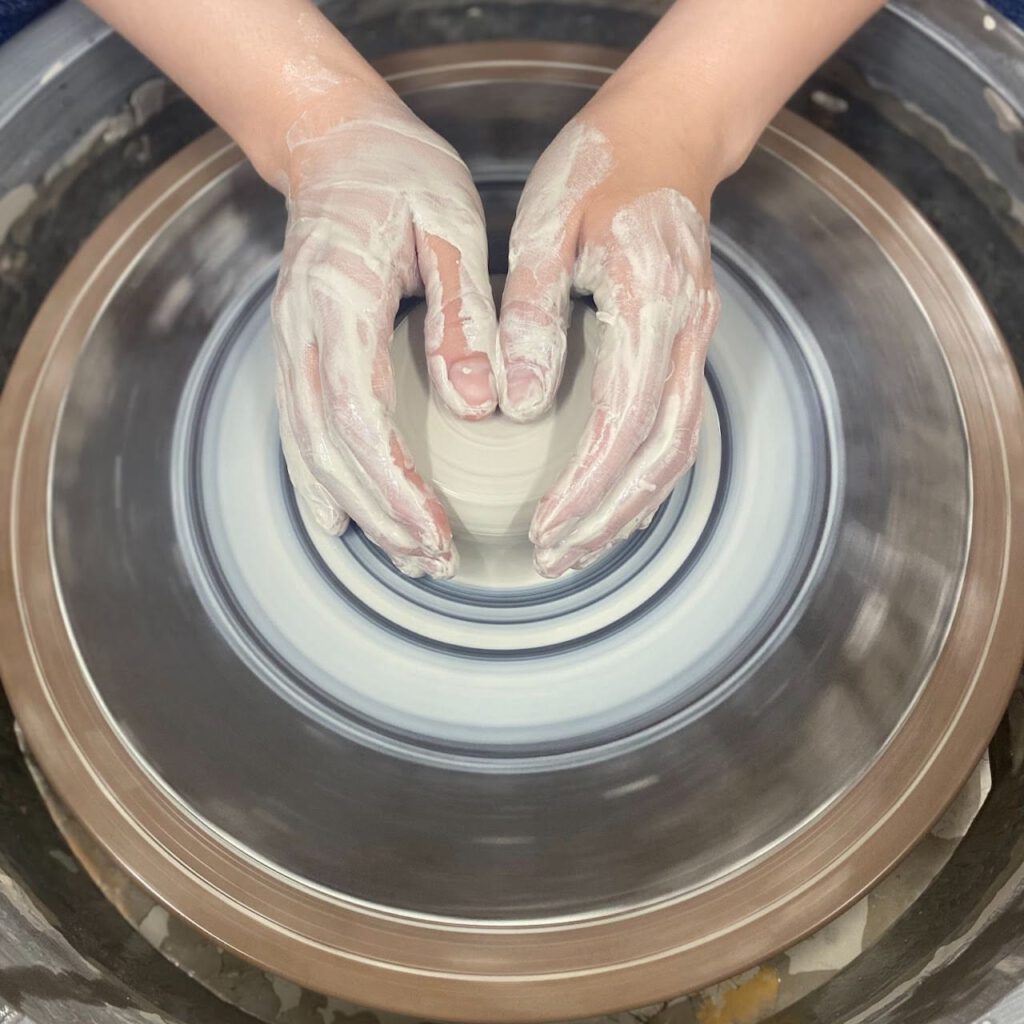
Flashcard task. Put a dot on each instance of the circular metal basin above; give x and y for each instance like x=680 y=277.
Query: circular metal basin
x=523 y=801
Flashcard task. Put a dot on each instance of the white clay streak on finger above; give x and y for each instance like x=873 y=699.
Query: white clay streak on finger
x=358 y=424
x=338 y=468
x=356 y=253
x=461 y=324
x=359 y=189
x=541 y=254
x=646 y=288
x=356 y=311
x=333 y=467
x=665 y=456
x=318 y=500
x=452 y=221
x=333 y=470
x=669 y=449
x=474 y=313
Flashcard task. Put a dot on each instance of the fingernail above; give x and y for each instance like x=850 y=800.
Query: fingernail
x=473 y=381
x=526 y=393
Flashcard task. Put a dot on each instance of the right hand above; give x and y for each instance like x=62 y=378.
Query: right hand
x=379 y=206
x=617 y=209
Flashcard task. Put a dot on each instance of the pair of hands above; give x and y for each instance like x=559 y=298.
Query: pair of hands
x=381 y=207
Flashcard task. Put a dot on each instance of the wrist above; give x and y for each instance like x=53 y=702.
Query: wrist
x=683 y=119
x=660 y=143
x=311 y=95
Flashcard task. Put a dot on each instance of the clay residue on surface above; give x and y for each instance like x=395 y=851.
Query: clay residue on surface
x=831 y=948
x=1006 y=117
x=746 y=999
x=13 y=205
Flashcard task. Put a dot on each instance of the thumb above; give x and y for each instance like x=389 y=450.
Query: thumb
x=541 y=261
x=534 y=316
x=460 y=326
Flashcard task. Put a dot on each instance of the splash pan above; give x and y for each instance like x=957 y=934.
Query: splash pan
x=502 y=797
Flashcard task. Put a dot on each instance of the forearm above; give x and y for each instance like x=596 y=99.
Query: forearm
x=725 y=69
x=253 y=65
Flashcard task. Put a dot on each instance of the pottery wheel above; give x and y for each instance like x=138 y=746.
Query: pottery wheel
x=503 y=797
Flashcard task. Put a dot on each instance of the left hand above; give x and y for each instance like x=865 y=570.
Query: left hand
x=379 y=206
x=618 y=209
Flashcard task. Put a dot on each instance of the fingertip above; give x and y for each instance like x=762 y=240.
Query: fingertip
x=326 y=515
x=557 y=560
x=586 y=559
x=439 y=567
x=550 y=526
x=553 y=562
x=472 y=381
x=527 y=395
x=531 y=346
x=549 y=563
x=446 y=567
x=460 y=340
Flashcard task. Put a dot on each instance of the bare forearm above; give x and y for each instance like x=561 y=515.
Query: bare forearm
x=253 y=65
x=725 y=69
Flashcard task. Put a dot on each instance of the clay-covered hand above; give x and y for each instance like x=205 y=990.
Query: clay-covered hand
x=609 y=211
x=379 y=207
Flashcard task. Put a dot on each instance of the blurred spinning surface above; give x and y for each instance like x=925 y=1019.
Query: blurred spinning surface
x=426 y=795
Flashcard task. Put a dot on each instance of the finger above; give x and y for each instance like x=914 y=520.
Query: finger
x=351 y=323
x=333 y=466
x=646 y=275
x=532 y=332
x=632 y=365
x=659 y=463
x=461 y=326
x=542 y=251
x=325 y=510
